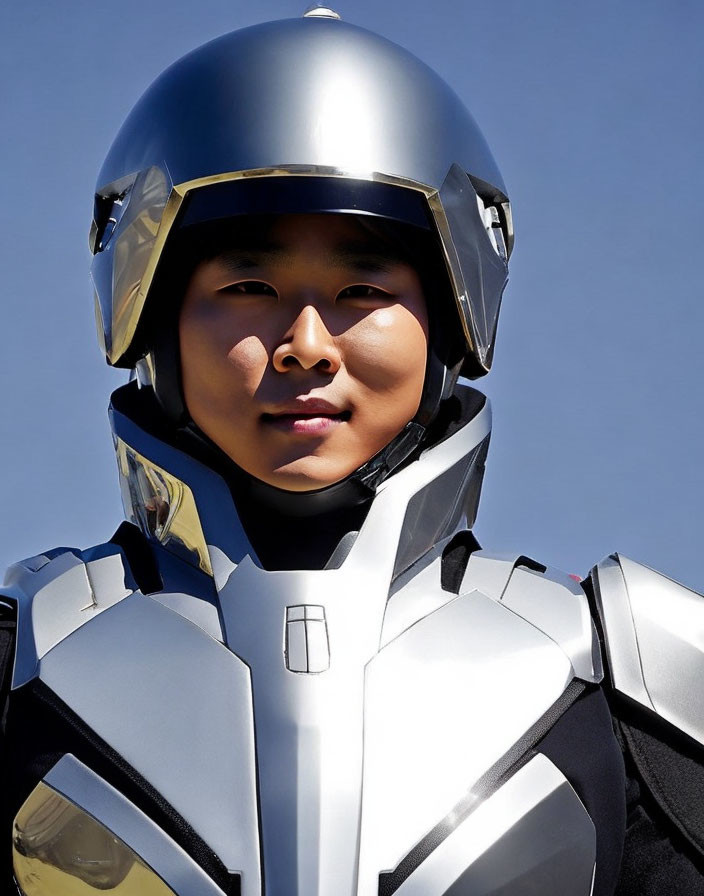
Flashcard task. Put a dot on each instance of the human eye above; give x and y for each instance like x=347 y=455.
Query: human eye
x=364 y=295
x=250 y=288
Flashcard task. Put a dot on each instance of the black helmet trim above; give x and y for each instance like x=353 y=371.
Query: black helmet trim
x=311 y=195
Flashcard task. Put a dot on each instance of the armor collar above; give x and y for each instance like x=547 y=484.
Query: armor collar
x=181 y=493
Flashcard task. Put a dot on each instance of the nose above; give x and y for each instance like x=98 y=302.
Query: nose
x=307 y=344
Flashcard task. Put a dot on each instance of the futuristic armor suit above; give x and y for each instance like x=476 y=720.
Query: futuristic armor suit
x=333 y=692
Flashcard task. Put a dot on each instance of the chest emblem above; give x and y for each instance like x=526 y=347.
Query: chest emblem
x=307 y=646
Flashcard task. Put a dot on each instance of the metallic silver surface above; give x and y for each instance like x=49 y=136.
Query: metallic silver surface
x=479 y=268
x=310 y=729
x=560 y=610
x=489 y=573
x=34 y=564
x=281 y=99
x=533 y=837
x=83 y=787
x=56 y=598
x=414 y=595
x=447 y=504
x=667 y=628
x=621 y=643
x=203 y=614
x=426 y=693
x=350 y=710
x=296 y=89
x=316 y=9
x=549 y=599
x=130 y=676
x=307 y=643
x=342 y=744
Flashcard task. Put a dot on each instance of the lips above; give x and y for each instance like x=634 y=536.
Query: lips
x=306 y=416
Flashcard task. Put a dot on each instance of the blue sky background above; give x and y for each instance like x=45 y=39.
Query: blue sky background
x=594 y=113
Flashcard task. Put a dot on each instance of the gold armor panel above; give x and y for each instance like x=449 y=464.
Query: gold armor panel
x=60 y=850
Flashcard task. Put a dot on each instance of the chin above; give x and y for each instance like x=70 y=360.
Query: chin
x=304 y=477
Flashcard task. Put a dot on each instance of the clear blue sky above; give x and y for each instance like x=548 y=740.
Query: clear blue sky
x=594 y=113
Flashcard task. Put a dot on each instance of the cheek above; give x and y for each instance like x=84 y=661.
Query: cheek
x=218 y=364
x=247 y=360
x=387 y=352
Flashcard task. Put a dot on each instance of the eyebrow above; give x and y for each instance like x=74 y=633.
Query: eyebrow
x=359 y=256
x=365 y=255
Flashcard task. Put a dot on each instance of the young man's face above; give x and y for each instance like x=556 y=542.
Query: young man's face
x=304 y=354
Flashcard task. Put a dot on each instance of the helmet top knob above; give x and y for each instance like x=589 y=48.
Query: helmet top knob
x=318 y=10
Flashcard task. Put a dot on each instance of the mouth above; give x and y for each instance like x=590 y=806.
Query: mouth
x=311 y=416
x=298 y=422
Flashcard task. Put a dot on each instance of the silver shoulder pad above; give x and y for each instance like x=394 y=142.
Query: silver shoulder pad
x=552 y=601
x=654 y=639
x=57 y=594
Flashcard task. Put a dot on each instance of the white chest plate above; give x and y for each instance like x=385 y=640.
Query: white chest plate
x=312 y=758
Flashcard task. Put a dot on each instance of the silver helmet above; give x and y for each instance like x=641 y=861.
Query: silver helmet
x=298 y=115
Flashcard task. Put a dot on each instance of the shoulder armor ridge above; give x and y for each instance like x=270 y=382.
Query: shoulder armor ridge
x=489 y=572
x=57 y=592
x=549 y=599
x=21 y=571
x=654 y=640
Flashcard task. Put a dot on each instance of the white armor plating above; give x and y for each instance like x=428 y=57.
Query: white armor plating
x=654 y=639
x=314 y=727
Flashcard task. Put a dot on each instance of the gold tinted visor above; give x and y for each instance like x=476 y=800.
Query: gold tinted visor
x=60 y=850
x=161 y=505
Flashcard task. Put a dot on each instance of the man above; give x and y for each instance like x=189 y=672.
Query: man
x=293 y=671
